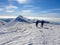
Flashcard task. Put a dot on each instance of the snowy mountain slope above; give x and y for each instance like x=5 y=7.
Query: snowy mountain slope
x=6 y=19
x=19 y=19
x=29 y=34
x=2 y=23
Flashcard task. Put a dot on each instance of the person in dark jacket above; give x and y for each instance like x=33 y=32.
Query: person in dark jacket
x=37 y=23
x=42 y=23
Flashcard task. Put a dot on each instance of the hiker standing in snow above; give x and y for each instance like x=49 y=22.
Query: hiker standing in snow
x=42 y=23
x=37 y=23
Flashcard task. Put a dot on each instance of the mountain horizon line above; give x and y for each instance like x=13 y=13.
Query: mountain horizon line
x=33 y=17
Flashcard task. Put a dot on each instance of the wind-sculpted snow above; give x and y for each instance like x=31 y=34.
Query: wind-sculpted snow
x=29 y=34
x=2 y=23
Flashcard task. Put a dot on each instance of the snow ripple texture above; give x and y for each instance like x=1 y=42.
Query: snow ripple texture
x=29 y=34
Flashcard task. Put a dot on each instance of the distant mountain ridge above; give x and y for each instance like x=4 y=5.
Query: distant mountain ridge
x=6 y=19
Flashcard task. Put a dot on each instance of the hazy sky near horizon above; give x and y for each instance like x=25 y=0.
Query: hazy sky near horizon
x=42 y=8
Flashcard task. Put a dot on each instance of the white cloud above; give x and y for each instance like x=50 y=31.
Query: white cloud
x=8 y=16
x=23 y=1
x=27 y=12
x=10 y=11
x=19 y=1
x=1 y=9
x=31 y=7
x=11 y=7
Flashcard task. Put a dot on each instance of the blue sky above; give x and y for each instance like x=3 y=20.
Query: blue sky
x=39 y=8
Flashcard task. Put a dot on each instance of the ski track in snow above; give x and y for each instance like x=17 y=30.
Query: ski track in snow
x=28 y=34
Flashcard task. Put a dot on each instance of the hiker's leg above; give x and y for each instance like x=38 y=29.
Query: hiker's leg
x=42 y=25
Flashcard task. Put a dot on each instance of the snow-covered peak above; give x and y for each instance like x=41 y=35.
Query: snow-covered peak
x=20 y=16
x=22 y=19
x=19 y=19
